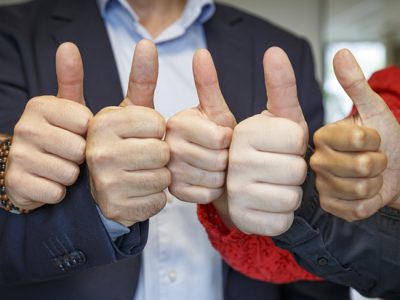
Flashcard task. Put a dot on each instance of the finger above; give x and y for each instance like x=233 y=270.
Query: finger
x=195 y=194
x=207 y=133
x=185 y=173
x=129 y=122
x=349 y=188
x=53 y=168
x=278 y=135
x=72 y=117
x=211 y=100
x=69 y=69
x=64 y=144
x=273 y=168
x=261 y=222
x=38 y=190
x=280 y=82
x=135 y=184
x=134 y=154
x=269 y=197
x=351 y=78
x=349 y=164
x=143 y=75
x=129 y=210
x=343 y=136
x=200 y=157
x=351 y=210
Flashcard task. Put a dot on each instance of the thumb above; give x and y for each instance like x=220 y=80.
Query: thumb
x=69 y=70
x=211 y=100
x=143 y=76
x=280 y=82
x=352 y=79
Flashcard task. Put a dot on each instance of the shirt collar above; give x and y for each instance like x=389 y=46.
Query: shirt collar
x=195 y=10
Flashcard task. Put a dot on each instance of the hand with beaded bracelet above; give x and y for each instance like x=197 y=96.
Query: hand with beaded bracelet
x=49 y=143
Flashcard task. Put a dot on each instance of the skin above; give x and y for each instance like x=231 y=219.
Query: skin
x=199 y=140
x=55 y=134
x=266 y=158
x=49 y=139
x=157 y=15
x=357 y=160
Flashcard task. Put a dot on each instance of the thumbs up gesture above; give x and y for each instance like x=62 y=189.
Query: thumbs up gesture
x=125 y=153
x=199 y=139
x=48 y=142
x=357 y=160
x=266 y=164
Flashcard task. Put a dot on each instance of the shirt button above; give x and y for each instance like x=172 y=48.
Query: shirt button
x=322 y=261
x=172 y=276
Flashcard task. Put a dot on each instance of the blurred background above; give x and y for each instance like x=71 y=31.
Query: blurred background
x=369 y=28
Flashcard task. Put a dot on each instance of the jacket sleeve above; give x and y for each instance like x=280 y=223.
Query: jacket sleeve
x=55 y=240
x=362 y=254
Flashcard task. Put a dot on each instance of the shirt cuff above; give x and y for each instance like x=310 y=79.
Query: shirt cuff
x=114 y=229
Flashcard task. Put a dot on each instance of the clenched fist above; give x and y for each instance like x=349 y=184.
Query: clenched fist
x=126 y=155
x=266 y=164
x=357 y=160
x=49 y=139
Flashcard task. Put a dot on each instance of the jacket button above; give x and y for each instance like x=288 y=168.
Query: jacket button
x=322 y=261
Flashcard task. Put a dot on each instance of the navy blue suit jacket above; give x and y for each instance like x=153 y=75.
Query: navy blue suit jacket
x=63 y=251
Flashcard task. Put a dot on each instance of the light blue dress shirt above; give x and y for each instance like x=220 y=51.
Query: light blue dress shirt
x=178 y=261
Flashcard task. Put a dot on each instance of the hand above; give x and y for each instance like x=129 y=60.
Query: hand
x=357 y=160
x=266 y=164
x=125 y=153
x=48 y=142
x=199 y=139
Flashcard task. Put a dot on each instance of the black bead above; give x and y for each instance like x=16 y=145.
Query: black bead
x=2 y=190
x=2 y=167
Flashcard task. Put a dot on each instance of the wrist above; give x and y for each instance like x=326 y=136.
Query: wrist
x=5 y=202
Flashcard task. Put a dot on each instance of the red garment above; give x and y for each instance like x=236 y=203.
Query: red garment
x=387 y=84
x=257 y=256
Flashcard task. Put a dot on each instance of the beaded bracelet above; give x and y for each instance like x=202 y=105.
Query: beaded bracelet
x=5 y=203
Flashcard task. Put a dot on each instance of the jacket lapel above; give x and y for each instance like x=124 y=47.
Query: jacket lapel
x=233 y=55
x=84 y=26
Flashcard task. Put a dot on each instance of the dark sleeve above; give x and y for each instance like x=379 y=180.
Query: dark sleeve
x=364 y=254
x=309 y=92
x=55 y=240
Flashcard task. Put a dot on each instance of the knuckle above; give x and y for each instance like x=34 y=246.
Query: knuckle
x=281 y=224
x=54 y=195
x=35 y=103
x=292 y=199
x=218 y=180
x=364 y=165
x=164 y=154
x=315 y=162
x=318 y=137
x=325 y=203
x=98 y=156
x=361 y=189
x=80 y=151
x=298 y=170
x=361 y=211
x=299 y=139
x=23 y=130
x=12 y=180
x=219 y=137
x=71 y=175
x=358 y=137
x=221 y=160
